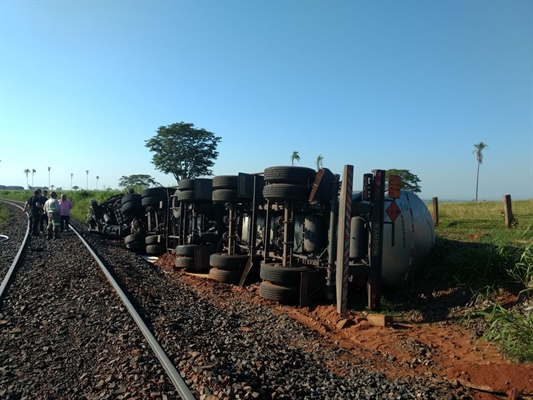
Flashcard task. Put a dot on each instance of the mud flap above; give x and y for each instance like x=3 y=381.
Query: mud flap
x=312 y=287
x=201 y=257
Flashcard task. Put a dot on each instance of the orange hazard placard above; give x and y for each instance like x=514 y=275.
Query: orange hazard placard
x=393 y=211
x=394 y=186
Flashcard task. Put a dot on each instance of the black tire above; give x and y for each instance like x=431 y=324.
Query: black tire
x=186 y=184
x=135 y=237
x=276 y=273
x=156 y=249
x=154 y=239
x=225 y=276
x=289 y=174
x=152 y=201
x=130 y=190
x=225 y=182
x=130 y=208
x=286 y=192
x=186 y=195
x=185 y=250
x=282 y=294
x=134 y=197
x=136 y=246
x=154 y=192
x=184 y=262
x=227 y=262
x=225 y=196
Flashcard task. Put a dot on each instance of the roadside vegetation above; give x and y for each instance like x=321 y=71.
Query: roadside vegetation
x=474 y=249
x=79 y=198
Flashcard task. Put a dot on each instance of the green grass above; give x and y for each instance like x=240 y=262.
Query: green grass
x=79 y=198
x=4 y=213
x=474 y=249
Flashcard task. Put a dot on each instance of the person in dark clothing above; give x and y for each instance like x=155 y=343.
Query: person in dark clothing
x=44 y=217
x=35 y=205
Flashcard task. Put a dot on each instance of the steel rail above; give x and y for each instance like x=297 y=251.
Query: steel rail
x=11 y=269
x=169 y=367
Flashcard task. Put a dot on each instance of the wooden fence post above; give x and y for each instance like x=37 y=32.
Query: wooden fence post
x=507 y=209
x=436 y=211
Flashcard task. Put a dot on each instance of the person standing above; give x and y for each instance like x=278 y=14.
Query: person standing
x=35 y=205
x=65 y=206
x=51 y=207
x=44 y=217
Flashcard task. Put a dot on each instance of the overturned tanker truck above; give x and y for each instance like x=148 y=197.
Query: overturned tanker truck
x=303 y=234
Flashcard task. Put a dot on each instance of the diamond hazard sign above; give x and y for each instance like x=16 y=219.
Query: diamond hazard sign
x=393 y=211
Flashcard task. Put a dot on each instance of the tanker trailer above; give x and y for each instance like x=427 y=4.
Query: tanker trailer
x=408 y=237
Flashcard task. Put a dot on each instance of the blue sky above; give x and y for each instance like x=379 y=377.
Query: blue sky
x=374 y=84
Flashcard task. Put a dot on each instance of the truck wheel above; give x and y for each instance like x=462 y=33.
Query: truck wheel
x=185 y=250
x=153 y=201
x=184 y=262
x=134 y=197
x=282 y=294
x=156 y=249
x=138 y=246
x=130 y=208
x=154 y=239
x=135 y=237
x=276 y=273
x=225 y=182
x=186 y=184
x=227 y=262
x=153 y=192
x=289 y=174
x=225 y=196
x=286 y=192
x=224 y=276
x=186 y=195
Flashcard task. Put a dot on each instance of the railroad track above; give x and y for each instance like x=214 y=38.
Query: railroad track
x=66 y=335
x=20 y=300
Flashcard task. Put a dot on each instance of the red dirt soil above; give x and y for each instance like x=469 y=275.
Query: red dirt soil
x=399 y=349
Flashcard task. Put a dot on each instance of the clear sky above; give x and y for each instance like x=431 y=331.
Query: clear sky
x=374 y=84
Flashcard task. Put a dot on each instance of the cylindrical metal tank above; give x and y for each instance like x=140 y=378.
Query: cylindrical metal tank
x=408 y=241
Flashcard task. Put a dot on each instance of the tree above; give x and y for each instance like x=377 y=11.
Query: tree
x=408 y=180
x=479 y=156
x=75 y=187
x=87 y=172
x=71 y=175
x=32 y=173
x=184 y=151
x=295 y=156
x=140 y=180
x=97 y=177
x=319 y=161
x=27 y=171
x=48 y=176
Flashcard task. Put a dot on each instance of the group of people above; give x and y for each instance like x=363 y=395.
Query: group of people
x=53 y=213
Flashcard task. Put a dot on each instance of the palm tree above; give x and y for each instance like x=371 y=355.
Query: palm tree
x=87 y=172
x=97 y=177
x=27 y=171
x=48 y=176
x=319 y=161
x=479 y=156
x=295 y=157
x=32 y=172
x=71 y=175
